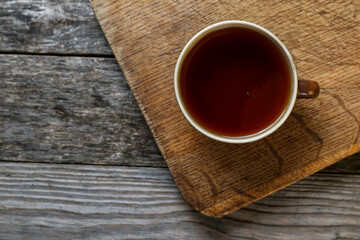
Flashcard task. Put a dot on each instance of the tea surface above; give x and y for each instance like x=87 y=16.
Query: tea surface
x=235 y=82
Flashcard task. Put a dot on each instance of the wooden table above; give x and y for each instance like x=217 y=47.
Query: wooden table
x=77 y=160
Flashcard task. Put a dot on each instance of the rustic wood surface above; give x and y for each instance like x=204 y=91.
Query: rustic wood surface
x=52 y=201
x=56 y=110
x=217 y=178
x=51 y=27
x=45 y=201
x=71 y=110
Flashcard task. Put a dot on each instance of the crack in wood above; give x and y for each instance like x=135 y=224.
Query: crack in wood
x=61 y=111
x=347 y=110
x=313 y=134
x=198 y=13
x=279 y=159
x=197 y=204
x=245 y=194
x=99 y=101
x=214 y=190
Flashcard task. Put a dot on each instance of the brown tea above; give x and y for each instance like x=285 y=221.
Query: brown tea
x=235 y=82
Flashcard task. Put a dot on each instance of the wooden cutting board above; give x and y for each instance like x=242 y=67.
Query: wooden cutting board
x=215 y=178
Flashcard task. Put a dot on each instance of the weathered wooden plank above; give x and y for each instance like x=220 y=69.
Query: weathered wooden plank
x=69 y=109
x=50 y=26
x=46 y=201
x=63 y=110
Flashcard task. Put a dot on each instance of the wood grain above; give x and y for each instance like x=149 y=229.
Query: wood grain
x=147 y=37
x=71 y=110
x=58 y=201
x=15 y=20
x=43 y=201
x=51 y=27
x=47 y=108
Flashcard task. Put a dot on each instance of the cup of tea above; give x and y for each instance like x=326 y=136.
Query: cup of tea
x=236 y=82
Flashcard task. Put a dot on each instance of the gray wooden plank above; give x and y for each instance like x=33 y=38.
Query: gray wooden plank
x=78 y=110
x=50 y=26
x=64 y=201
x=71 y=110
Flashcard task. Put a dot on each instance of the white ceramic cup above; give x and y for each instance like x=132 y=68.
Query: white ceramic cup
x=307 y=89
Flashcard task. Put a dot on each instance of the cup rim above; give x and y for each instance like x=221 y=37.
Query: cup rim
x=247 y=138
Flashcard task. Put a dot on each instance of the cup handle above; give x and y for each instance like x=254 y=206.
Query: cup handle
x=308 y=89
